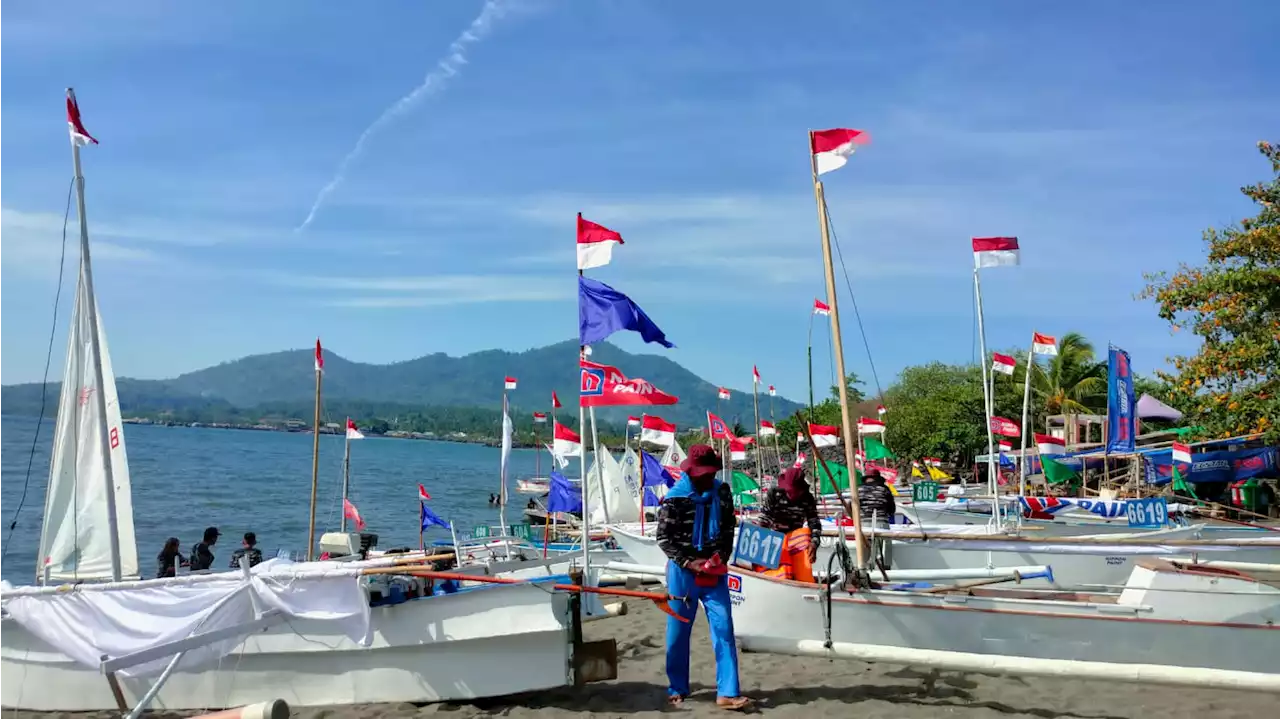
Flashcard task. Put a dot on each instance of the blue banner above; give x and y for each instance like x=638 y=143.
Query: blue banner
x=564 y=497
x=603 y=310
x=655 y=479
x=1120 y=402
x=1220 y=466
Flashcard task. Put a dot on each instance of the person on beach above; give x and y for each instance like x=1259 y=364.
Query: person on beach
x=202 y=554
x=248 y=549
x=875 y=501
x=695 y=531
x=791 y=508
x=169 y=559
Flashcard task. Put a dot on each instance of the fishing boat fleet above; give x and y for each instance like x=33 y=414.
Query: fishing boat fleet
x=1187 y=603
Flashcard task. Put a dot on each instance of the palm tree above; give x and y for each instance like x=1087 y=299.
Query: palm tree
x=1073 y=381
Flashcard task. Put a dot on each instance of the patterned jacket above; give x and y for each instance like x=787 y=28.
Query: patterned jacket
x=878 y=500
x=201 y=557
x=675 y=528
x=255 y=556
x=781 y=514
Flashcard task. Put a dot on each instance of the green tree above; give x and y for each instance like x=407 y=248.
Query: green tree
x=1231 y=385
x=852 y=384
x=1072 y=382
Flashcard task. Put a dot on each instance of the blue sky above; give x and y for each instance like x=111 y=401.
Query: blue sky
x=1105 y=135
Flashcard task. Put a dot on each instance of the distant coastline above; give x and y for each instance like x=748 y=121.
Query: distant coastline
x=298 y=427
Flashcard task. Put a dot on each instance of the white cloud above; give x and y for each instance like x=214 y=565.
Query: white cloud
x=431 y=290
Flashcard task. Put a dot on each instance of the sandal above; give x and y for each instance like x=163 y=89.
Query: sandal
x=675 y=700
x=733 y=704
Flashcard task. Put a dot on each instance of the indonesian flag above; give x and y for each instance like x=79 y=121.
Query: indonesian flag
x=824 y=436
x=79 y=136
x=605 y=386
x=633 y=421
x=350 y=512
x=737 y=450
x=995 y=251
x=933 y=461
x=755 y=374
x=555 y=401
x=1005 y=445
x=821 y=308
x=723 y=393
x=832 y=148
x=319 y=356
x=718 y=429
x=1005 y=427
x=1043 y=344
x=767 y=429
x=881 y=409
x=1181 y=453
x=595 y=244
x=567 y=443
x=867 y=425
x=772 y=392
x=352 y=432
x=1050 y=445
x=422 y=494
x=540 y=417
x=1004 y=364
x=509 y=383
x=657 y=430
x=799 y=460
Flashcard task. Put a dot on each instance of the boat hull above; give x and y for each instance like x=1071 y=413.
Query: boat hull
x=486 y=642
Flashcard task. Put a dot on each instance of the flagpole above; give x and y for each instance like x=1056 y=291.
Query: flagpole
x=777 y=448
x=537 y=448
x=595 y=447
x=1026 y=407
x=809 y=353
x=422 y=542
x=987 y=400
x=502 y=479
x=346 y=475
x=755 y=399
x=315 y=467
x=95 y=352
x=838 y=346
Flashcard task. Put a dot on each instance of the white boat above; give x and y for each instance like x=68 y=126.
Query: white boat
x=1170 y=625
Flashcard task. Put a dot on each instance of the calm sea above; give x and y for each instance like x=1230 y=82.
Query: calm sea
x=185 y=479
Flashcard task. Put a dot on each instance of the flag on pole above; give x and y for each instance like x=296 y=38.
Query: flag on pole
x=737 y=450
x=824 y=436
x=995 y=251
x=1006 y=427
x=1004 y=364
x=881 y=409
x=603 y=310
x=633 y=421
x=540 y=417
x=352 y=432
x=431 y=519
x=79 y=135
x=1182 y=456
x=1181 y=453
x=655 y=479
x=876 y=449
x=767 y=429
x=1055 y=471
x=717 y=427
x=564 y=497
x=800 y=458
x=723 y=393
x=555 y=401
x=422 y=494
x=772 y=392
x=866 y=425
x=566 y=442
x=1005 y=445
x=1050 y=445
x=319 y=356
x=832 y=148
x=755 y=374
x=350 y=512
x=595 y=244
x=605 y=386
x=656 y=430
x=509 y=383
x=821 y=308
x=1043 y=344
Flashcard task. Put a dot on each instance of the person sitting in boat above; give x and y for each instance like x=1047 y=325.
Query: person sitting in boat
x=875 y=501
x=791 y=508
x=531 y=505
x=249 y=549
x=170 y=559
x=695 y=530
x=202 y=554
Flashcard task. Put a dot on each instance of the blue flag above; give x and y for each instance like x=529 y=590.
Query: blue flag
x=603 y=310
x=430 y=519
x=1006 y=461
x=1120 y=402
x=653 y=475
x=564 y=497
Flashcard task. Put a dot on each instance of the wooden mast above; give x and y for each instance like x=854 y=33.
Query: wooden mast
x=315 y=457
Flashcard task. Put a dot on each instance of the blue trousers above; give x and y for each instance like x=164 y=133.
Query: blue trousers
x=720 y=620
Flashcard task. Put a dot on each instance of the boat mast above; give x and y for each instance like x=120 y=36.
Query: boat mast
x=315 y=459
x=987 y=400
x=346 y=476
x=100 y=398
x=838 y=346
x=1026 y=407
x=755 y=399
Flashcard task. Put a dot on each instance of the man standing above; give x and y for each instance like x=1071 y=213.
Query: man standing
x=875 y=501
x=202 y=554
x=695 y=531
x=250 y=549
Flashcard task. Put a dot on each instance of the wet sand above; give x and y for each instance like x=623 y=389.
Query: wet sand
x=810 y=688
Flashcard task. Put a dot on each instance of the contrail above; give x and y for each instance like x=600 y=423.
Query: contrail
x=446 y=68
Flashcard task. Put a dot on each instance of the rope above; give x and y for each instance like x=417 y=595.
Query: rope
x=854 y=299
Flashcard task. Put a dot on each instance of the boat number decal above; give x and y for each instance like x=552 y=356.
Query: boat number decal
x=115 y=437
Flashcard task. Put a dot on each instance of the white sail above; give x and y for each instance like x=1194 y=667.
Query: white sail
x=673 y=456
x=621 y=503
x=75 y=539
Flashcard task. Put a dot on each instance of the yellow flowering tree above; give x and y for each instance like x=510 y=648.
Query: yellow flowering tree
x=1231 y=386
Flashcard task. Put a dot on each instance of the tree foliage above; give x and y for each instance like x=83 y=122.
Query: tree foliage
x=1231 y=385
x=1072 y=382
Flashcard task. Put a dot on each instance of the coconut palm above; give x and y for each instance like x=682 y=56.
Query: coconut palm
x=1073 y=381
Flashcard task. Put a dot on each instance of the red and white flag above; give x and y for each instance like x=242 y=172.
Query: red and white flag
x=657 y=430
x=824 y=436
x=605 y=386
x=1005 y=427
x=799 y=460
x=350 y=512
x=767 y=429
x=567 y=443
x=319 y=356
x=832 y=148
x=821 y=308
x=737 y=450
x=595 y=244
x=755 y=374
x=881 y=409
x=1050 y=445
x=1004 y=445
x=1043 y=344
x=866 y=425
x=723 y=393
x=933 y=461
x=995 y=251
x=1181 y=453
x=555 y=401
x=79 y=135
x=717 y=428
x=540 y=417
x=352 y=432
x=772 y=391
x=633 y=421
x=422 y=494
x=1004 y=364
x=509 y=383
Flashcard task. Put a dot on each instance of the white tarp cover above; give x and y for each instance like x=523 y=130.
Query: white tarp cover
x=116 y=620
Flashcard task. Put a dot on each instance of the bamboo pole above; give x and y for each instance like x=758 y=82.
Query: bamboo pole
x=755 y=400
x=315 y=461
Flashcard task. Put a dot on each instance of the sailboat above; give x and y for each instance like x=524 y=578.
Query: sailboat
x=92 y=636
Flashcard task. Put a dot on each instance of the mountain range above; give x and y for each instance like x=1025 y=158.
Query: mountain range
x=285 y=381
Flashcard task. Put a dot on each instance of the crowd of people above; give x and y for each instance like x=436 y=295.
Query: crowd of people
x=201 y=557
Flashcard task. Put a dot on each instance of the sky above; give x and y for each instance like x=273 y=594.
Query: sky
x=402 y=178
